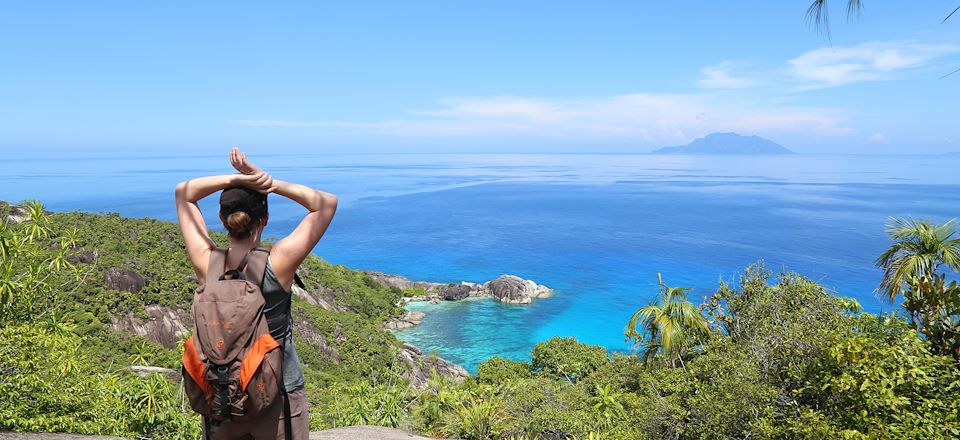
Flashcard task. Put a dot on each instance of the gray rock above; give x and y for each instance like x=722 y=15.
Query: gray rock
x=515 y=290
x=402 y=282
x=322 y=297
x=408 y=320
x=454 y=293
x=13 y=214
x=85 y=257
x=365 y=433
x=307 y=333
x=164 y=325
x=127 y=280
x=421 y=365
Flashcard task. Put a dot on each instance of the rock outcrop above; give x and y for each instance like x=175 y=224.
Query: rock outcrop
x=85 y=257
x=402 y=282
x=13 y=214
x=505 y=288
x=421 y=365
x=322 y=297
x=164 y=325
x=126 y=280
x=408 y=320
x=515 y=290
x=456 y=292
x=307 y=333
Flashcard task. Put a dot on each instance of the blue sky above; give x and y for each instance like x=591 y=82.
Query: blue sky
x=100 y=78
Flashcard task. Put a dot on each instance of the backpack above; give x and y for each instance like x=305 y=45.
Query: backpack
x=232 y=365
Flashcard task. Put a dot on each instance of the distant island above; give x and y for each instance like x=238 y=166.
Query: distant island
x=727 y=144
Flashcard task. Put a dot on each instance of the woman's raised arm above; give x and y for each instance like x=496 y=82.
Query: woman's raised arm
x=192 y=226
x=289 y=252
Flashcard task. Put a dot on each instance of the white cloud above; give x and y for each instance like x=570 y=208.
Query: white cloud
x=872 y=61
x=878 y=138
x=641 y=117
x=719 y=76
x=739 y=97
x=829 y=66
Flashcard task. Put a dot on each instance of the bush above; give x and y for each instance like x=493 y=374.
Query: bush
x=566 y=358
x=47 y=384
x=498 y=370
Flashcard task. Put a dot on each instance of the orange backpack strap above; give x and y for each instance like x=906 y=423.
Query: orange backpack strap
x=256 y=261
x=217 y=265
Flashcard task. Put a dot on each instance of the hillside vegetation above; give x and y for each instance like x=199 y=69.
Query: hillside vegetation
x=770 y=356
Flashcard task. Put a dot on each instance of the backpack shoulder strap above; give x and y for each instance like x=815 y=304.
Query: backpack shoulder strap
x=256 y=264
x=217 y=265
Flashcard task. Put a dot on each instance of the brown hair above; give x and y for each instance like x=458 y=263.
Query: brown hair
x=240 y=225
x=242 y=211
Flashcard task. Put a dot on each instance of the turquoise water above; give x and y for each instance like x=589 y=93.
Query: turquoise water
x=597 y=228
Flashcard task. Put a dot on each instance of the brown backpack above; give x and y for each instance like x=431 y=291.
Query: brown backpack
x=232 y=365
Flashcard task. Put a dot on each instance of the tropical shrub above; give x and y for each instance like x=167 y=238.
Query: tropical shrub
x=567 y=358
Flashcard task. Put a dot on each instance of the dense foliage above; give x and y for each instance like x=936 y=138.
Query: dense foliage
x=780 y=358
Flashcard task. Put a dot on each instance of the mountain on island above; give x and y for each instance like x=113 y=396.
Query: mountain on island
x=727 y=144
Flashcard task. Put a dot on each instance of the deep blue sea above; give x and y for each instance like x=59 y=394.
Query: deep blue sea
x=597 y=228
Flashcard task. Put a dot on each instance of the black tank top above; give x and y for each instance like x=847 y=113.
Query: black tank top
x=280 y=323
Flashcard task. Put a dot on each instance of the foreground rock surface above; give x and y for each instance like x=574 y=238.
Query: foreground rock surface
x=365 y=433
x=349 y=433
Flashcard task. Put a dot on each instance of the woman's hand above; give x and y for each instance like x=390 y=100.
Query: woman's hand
x=239 y=161
x=260 y=181
x=251 y=176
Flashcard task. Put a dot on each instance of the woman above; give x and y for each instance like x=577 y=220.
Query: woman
x=243 y=211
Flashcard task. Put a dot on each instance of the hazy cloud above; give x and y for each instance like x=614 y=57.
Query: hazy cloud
x=719 y=76
x=639 y=117
x=872 y=61
x=829 y=66
x=737 y=97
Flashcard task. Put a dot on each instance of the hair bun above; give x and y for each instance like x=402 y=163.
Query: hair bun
x=238 y=223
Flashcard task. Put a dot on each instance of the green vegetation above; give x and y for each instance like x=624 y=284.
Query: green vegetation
x=671 y=327
x=770 y=356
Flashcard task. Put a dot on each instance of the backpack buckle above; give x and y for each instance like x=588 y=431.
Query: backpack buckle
x=222 y=378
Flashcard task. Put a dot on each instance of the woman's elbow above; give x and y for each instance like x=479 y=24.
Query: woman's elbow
x=330 y=202
x=181 y=190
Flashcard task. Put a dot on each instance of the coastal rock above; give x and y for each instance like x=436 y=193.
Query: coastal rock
x=455 y=292
x=164 y=325
x=421 y=365
x=515 y=290
x=505 y=288
x=126 y=280
x=408 y=320
x=402 y=282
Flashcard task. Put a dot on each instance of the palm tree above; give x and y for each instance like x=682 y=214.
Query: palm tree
x=818 y=13
x=670 y=325
x=919 y=248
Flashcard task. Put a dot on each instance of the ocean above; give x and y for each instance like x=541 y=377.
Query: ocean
x=595 y=227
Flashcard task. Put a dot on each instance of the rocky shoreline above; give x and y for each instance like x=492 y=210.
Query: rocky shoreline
x=508 y=289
